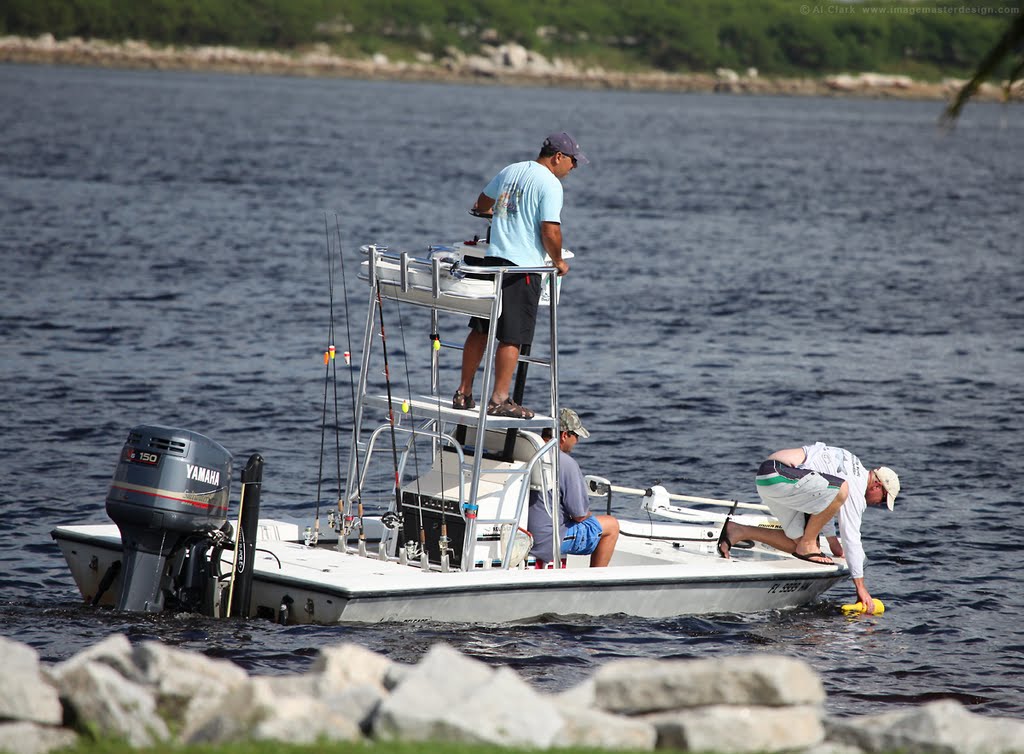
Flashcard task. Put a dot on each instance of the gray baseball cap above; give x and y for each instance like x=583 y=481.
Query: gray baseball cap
x=564 y=143
x=569 y=421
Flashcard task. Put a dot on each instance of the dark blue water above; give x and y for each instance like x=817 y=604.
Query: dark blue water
x=751 y=274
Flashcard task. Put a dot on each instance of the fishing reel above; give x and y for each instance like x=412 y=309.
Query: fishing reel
x=391 y=520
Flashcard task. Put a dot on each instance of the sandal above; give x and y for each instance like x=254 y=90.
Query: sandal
x=463 y=402
x=510 y=409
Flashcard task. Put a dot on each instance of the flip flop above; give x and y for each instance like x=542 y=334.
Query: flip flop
x=810 y=558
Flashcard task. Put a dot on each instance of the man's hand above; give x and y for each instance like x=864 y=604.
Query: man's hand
x=562 y=266
x=864 y=596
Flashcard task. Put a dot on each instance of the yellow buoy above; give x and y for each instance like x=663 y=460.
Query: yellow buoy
x=405 y=406
x=858 y=607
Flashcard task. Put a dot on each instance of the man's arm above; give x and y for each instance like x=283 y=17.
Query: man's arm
x=484 y=204
x=835 y=546
x=790 y=456
x=551 y=237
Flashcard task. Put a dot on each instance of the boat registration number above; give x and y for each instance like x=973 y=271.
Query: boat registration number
x=788 y=586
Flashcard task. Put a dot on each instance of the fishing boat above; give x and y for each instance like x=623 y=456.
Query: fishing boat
x=431 y=523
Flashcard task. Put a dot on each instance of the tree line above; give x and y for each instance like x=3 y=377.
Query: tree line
x=787 y=37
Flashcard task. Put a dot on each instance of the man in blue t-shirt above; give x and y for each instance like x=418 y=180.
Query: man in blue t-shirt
x=525 y=200
x=580 y=532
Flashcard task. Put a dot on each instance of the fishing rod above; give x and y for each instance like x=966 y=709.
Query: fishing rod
x=407 y=407
x=444 y=542
x=403 y=557
x=352 y=392
x=314 y=537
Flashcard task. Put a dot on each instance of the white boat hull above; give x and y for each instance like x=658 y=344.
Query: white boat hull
x=652 y=578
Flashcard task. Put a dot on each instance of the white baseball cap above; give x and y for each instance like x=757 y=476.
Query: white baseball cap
x=890 y=482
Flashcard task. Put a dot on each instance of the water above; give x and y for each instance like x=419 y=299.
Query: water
x=751 y=274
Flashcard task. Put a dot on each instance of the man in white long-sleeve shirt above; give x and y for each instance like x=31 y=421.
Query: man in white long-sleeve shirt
x=805 y=488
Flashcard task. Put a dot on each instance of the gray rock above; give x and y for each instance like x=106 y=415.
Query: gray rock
x=580 y=695
x=639 y=686
x=943 y=727
x=358 y=700
x=26 y=695
x=115 y=651
x=360 y=703
x=258 y=711
x=177 y=673
x=593 y=729
x=433 y=703
x=739 y=728
x=29 y=738
x=349 y=664
x=396 y=673
x=115 y=706
x=832 y=747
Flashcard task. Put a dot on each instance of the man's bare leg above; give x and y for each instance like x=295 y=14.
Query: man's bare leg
x=803 y=545
x=505 y=362
x=472 y=355
x=602 y=556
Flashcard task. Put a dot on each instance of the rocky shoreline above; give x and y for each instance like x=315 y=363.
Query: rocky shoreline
x=151 y=694
x=507 y=64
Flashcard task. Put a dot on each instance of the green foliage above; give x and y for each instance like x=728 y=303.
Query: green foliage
x=775 y=36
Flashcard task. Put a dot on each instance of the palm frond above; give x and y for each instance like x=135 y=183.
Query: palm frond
x=1012 y=42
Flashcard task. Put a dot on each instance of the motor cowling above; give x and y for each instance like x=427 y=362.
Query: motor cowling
x=170 y=487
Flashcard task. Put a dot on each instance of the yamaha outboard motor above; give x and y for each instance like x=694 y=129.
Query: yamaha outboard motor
x=171 y=487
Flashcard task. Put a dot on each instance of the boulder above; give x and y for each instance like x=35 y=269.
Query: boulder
x=580 y=695
x=185 y=683
x=593 y=729
x=114 y=651
x=30 y=738
x=269 y=709
x=452 y=698
x=26 y=695
x=513 y=56
x=350 y=664
x=104 y=700
x=942 y=727
x=739 y=728
x=175 y=672
x=640 y=686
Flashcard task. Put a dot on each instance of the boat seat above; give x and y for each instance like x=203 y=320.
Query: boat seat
x=527 y=445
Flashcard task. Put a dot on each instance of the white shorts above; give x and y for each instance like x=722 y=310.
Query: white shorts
x=794 y=494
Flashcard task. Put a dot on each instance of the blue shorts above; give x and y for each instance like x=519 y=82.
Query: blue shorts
x=581 y=538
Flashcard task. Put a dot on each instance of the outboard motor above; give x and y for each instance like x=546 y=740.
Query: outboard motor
x=170 y=489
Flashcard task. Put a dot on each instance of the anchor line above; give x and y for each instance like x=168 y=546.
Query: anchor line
x=412 y=424
x=352 y=392
x=391 y=405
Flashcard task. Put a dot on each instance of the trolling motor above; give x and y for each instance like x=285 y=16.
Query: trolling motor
x=169 y=498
